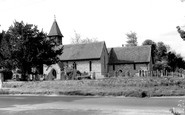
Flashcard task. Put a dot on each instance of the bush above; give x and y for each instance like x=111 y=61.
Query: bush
x=144 y=94
x=136 y=93
x=7 y=74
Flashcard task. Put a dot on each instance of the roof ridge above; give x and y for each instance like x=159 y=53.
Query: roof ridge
x=132 y=46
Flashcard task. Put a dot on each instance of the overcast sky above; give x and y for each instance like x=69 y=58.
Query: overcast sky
x=106 y=20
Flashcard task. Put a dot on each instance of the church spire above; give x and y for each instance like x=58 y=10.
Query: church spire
x=55 y=31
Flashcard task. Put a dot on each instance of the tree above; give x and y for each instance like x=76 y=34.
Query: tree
x=181 y=32
x=161 y=65
x=164 y=58
x=160 y=58
x=172 y=60
x=159 y=54
x=175 y=61
x=161 y=51
x=131 y=39
x=5 y=53
x=88 y=40
x=78 y=40
x=30 y=47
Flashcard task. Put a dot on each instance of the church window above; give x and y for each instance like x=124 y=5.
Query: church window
x=74 y=65
x=90 y=65
x=113 y=67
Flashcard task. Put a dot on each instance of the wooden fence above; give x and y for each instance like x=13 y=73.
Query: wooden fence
x=142 y=73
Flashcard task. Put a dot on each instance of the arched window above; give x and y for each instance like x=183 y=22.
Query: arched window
x=54 y=73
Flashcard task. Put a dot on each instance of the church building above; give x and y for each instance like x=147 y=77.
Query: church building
x=98 y=59
x=89 y=58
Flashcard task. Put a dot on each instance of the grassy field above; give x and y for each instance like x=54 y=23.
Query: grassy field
x=132 y=87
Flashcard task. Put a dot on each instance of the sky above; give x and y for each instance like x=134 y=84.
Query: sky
x=106 y=20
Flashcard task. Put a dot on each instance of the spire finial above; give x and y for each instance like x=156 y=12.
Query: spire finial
x=55 y=17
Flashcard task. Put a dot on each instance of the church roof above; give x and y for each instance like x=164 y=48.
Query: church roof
x=126 y=55
x=87 y=51
x=55 y=30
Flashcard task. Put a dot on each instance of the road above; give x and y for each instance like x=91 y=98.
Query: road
x=74 y=105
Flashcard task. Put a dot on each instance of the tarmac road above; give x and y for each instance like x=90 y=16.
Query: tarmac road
x=76 y=105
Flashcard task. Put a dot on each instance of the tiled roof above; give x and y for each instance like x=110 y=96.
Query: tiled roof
x=134 y=54
x=82 y=51
x=55 y=30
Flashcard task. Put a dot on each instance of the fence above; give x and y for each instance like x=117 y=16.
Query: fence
x=98 y=75
x=142 y=73
x=167 y=73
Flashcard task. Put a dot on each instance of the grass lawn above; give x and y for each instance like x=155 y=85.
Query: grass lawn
x=132 y=87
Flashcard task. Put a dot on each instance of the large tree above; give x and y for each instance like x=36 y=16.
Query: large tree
x=161 y=51
x=5 y=53
x=131 y=39
x=161 y=61
x=30 y=47
x=78 y=40
x=175 y=61
x=164 y=58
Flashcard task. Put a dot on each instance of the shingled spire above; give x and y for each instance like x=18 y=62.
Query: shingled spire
x=55 y=32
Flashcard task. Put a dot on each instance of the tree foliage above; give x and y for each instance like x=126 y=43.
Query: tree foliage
x=161 y=51
x=175 y=61
x=5 y=53
x=163 y=58
x=181 y=32
x=78 y=39
x=131 y=39
x=30 y=47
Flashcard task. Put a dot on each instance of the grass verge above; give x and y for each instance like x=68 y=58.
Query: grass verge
x=129 y=87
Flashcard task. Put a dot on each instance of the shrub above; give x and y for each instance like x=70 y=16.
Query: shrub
x=7 y=74
x=144 y=94
x=136 y=93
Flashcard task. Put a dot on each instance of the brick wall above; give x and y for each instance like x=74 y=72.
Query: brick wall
x=127 y=69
